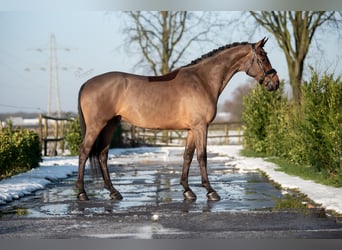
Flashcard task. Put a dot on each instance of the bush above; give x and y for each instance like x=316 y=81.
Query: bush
x=20 y=151
x=322 y=123
x=310 y=134
x=73 y=137
x=258 y=109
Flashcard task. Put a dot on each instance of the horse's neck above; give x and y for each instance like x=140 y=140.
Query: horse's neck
x=222 y=67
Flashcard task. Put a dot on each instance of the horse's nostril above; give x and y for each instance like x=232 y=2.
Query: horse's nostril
x=271 y=86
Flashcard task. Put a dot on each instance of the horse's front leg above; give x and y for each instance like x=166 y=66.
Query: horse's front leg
x=188 y=155
x=201 y=147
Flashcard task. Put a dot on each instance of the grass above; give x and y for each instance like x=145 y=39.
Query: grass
x=296 y=201
x=292 y=202
x=305 y=172
x=289 y=202
x=249 y=153
x=14 y=211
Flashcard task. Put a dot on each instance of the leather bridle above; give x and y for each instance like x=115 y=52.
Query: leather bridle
x=265 y=73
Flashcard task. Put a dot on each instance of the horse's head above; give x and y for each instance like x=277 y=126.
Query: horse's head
x=259 y=67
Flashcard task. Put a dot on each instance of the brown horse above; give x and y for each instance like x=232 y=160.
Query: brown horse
x=186 y=98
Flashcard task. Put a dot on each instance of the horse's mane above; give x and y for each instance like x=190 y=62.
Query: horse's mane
x=215 y=51
x=173 y=74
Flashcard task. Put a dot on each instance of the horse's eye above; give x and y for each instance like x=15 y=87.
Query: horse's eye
x=264 y=58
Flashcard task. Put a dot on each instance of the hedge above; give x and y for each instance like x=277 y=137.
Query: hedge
x=322 y=123
x=74 y=138
x=19 y=151
x=310 y=134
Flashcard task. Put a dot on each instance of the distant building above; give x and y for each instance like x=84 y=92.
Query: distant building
x=18 y=121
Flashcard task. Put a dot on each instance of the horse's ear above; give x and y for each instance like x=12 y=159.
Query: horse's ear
x=261 y=43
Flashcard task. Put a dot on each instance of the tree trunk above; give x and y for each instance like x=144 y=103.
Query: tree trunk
x=295 y=69
x=165 y=43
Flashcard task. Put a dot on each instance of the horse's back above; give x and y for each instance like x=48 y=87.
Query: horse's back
x=170 y=102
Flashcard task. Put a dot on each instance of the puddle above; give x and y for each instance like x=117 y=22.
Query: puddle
x=147 y=186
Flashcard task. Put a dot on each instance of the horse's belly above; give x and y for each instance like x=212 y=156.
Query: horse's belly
x=155 y=121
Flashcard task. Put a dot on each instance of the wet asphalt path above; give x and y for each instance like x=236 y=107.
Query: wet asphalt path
x=153 y=207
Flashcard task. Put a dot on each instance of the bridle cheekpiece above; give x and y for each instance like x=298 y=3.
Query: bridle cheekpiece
x=265 y=73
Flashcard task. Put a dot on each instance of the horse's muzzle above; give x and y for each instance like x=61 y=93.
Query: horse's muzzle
x=272 y=85
x=270 y=80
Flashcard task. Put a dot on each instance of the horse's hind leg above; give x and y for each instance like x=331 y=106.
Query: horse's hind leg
x=104 y=143
x=84 y=151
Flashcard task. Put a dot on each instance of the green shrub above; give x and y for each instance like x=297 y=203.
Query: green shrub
x=73 y=137
x=20 y=151
x=322 y=123
x=259 y=107
x=307 y=135
x=284 y=133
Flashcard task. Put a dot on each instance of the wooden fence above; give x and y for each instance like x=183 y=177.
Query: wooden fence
x=52 y=130
x=218 y=134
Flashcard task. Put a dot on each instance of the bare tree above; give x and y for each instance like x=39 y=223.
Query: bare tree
x=164 y=36
x=294 y=31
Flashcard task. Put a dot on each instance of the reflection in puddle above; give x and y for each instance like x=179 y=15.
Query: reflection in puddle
x=148 y=187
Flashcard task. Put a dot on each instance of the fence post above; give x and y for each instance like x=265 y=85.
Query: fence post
x=40 y=128
x=133 y=135
x=45 y=136
x=239 y=134
x=226 y=133
x=46 y=128
x=62 y=136
x=55 y=135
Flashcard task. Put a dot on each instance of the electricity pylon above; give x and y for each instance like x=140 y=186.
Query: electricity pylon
x=54 y=104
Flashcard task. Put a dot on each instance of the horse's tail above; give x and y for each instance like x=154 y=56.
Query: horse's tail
x=94 y=152
x=80 y=115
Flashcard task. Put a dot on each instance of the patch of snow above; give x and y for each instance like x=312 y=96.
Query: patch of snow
x=25 y=183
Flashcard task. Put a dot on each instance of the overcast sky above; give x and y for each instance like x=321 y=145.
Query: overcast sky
x=92 y=42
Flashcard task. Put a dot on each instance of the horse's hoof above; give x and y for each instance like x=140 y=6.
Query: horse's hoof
x=189 y=195
x=82 y=197
x=116 y=196
x=213 y=196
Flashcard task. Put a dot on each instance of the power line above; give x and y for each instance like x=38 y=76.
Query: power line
x=18 y=107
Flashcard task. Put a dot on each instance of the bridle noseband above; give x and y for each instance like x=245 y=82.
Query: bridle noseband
x=265 y=73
